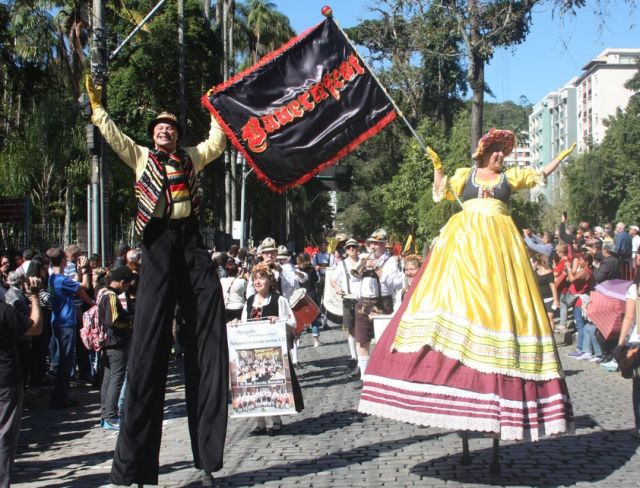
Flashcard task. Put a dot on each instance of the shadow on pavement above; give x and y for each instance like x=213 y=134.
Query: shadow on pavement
x=335 y=460
x=322 y=423
x=542 y=463
x=30 y=471
x=571 y=372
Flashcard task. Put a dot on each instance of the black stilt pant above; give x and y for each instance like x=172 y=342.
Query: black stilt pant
x=175 y=268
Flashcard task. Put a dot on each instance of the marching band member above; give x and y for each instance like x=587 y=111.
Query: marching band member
x=380 y=280
x=347 y=285
x=277 y=258
x=305 y=267
x=266 y=303
x=289 y=278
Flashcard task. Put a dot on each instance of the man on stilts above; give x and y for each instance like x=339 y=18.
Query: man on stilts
x=175 y=267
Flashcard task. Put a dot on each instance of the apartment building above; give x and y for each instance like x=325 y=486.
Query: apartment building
x=577 y=111
x=601 y=92
x=520 y=156
x=552 y=128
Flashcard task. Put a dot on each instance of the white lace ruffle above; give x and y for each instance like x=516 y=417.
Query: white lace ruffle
x=456 y=422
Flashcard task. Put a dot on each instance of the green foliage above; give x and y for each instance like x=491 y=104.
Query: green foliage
x=415 y=177
x=432 y=216
x=525 y=213
x=418 y=58
x=41 y=158
x=507 y=115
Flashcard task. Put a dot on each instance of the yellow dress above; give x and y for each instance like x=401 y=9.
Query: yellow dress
x=471 y=347
x=479 y=301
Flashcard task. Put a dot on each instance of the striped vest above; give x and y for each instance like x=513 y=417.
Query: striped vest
x=154 y=182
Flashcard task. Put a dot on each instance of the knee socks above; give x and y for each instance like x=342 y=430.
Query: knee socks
x=362 y=364
x=352 y=347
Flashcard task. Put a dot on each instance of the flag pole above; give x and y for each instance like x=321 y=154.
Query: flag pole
x=328 y=13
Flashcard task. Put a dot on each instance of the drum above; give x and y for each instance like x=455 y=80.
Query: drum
x=304 y=309
x=331 y=300
x=380 y=323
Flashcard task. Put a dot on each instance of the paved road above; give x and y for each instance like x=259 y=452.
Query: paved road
x=331 y=445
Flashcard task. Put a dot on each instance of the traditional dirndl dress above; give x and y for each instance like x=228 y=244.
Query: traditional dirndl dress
x=471 y=347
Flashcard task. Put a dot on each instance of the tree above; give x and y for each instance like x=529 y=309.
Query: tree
x=265 y=27
x=418 y=58
x=483 y=27
x=35 y=163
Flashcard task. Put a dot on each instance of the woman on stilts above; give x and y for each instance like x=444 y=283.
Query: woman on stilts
x=471 y=348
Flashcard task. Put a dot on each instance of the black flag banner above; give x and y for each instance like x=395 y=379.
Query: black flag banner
x=301 y=108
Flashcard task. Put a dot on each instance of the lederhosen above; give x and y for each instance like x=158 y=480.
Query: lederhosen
x=271 y=309
x=365 y=306
x=175 y=268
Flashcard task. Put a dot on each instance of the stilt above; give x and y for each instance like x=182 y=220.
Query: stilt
x=466 y=457
x=495 y=467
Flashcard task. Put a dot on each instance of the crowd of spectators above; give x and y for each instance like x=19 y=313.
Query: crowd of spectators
x=570 y=263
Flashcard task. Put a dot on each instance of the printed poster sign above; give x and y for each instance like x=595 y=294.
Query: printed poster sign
x=259 y=369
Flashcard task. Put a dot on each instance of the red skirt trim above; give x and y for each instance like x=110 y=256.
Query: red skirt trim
x=428 y=388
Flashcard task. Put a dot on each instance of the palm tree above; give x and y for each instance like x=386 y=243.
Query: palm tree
x=263 y=27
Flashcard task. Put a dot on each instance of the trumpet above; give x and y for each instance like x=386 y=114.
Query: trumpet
x=358 y=270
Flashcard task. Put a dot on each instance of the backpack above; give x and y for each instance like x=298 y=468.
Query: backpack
x=93 y=335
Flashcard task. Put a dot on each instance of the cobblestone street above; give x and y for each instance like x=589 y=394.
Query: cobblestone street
x=331 y=445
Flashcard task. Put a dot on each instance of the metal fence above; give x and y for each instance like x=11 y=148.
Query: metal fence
x=43 y=236
x=15 y=236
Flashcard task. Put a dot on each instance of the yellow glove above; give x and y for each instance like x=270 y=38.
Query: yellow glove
x=94 y=92
x=435 y=159
x=566 y=152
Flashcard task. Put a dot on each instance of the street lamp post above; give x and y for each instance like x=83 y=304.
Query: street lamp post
x=243 y=227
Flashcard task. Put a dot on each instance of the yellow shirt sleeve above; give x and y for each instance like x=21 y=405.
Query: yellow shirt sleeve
x=450 y=187
x=134 y=155
x=520 y=178
x=208 y=150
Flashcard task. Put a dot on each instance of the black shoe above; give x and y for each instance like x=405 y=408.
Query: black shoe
x=207 y=479
x=326 y=327
x=275 y=429
x=355 y=373
x=258 y=431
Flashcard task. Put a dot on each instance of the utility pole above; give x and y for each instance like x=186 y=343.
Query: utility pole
x=99 y=218
x=182 y=115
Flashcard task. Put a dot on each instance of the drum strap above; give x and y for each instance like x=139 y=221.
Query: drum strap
x=228 y=290
x=375 y=275
x=346 y=276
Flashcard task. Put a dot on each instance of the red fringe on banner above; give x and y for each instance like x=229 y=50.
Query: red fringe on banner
x=372 y=131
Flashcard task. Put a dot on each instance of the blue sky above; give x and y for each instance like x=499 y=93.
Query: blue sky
x=555 y=50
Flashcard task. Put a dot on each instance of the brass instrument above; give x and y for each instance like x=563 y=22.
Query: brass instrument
x=358 y=270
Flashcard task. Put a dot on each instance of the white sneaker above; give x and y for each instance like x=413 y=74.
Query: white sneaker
x=585 y=357
x=611 y=364
x=595 y=359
